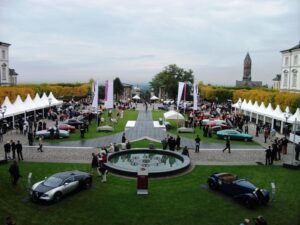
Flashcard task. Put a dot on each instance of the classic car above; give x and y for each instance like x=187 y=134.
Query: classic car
x=52 y=131
x=64 y=126
x=73 y=122
x=234 y=134
x=163 y=107
x=56 y=186
x=240 y=189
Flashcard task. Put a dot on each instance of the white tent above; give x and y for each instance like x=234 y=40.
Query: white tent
x=154 y=98
x=173 y=115
x=269 y=110
x=262 y=109
x=136 y=97
x=54 y=101
x=29 y=103
x=236 y=105
x=294 y=117
x=45 y=100
x=19 y=106
x=278 y=114
x=38 y=102
x=9 y=107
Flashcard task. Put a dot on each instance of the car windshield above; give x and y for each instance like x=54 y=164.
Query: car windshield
x=53 y=182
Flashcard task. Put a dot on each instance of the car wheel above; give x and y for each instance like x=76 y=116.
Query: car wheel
x=57 y=197
x=248 y=202
x=87 y=183
x=212 y=185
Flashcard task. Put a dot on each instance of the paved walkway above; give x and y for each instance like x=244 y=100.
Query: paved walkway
x=210 y=154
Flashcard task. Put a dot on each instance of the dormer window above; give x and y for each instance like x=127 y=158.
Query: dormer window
x=3 y=54
x=3 y=71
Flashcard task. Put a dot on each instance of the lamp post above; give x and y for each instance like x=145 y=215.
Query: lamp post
x=286 y=116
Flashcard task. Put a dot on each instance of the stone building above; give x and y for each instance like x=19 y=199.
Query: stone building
x=7 y=76
x=277 y=82
x=290 y=69
x=247 y=80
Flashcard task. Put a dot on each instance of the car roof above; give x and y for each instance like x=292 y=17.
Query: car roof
x=64 y=175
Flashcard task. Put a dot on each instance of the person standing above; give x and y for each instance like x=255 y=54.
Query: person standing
x=1 y=135
x=297 y=150
x=7 y=150
x=19 y=148
x=13 y=149
x=123 y=138
x=268 y=156
x=40 y=148
x=185 y=151
x=94 y=162
x=14 y=173
x=178 y=140
x=227 y=145
x=197 y=142
x=285 y=142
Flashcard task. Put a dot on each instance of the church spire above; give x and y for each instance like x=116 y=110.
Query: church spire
x=247 y=68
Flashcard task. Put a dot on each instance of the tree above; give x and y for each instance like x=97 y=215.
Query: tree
x=169 y=79
x=118 y=88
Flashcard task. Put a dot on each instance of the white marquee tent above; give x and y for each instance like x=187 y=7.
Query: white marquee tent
x=173 y=115
x=260 y=111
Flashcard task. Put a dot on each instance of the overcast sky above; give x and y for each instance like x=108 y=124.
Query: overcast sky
x=75 y=40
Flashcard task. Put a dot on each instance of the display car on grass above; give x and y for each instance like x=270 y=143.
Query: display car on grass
x=163 y=107
x=240 y=189
x=67 y=127
x=53 y=188
x=51 y=132
x=73 y=122
x=234 y=134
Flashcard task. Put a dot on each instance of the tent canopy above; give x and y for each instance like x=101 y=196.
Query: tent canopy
x=154 y=98
x=136 y=97
x=173 y=115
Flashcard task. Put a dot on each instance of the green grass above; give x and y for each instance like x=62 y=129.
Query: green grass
x=214 y=139
x=145 y=144
x=92 y=133
x=178 y=200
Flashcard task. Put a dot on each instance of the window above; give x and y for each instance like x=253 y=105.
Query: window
x=285 y=78
x=295 y=60
x=286 y=61
x=3 y=54
x=294 y=82
x=4 y=71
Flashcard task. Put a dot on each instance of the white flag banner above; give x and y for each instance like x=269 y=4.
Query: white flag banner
x=195 y=103
x=109 y=94
x=180 y=90
x=95 y=95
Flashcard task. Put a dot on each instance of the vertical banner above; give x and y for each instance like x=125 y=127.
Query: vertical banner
x=95 y=96
x=195 y=103
x=180 y=90
x=109 y=94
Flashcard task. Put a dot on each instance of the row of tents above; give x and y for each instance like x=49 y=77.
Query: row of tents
x=261 y=112
x=28 y=105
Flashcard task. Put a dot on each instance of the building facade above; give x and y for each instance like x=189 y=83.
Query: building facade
x=290 y=69
x=247 y=80
x=277 y=82
x=127 y=92
x=7 y=76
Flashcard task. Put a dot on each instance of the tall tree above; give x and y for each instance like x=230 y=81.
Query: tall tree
x=169 y=78
x=118 y=88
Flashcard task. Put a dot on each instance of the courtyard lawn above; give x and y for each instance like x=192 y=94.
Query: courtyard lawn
x=92 y=133
x=214 y=139
x=145 y=144
x=177 y=200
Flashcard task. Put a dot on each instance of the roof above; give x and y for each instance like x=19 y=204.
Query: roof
x=12 y=72
x=293 y=48
x=126 y=85
x=247 y=58
x=277 y=78
x=4 y=44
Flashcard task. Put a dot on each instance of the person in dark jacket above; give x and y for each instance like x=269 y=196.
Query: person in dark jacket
x=227 y=145
x=14 y=173
x=268 y=156
x=95 y=163
x=7 y=148
x=19 y=150
x=178 y=140
x=13 y=148
x=297 y=150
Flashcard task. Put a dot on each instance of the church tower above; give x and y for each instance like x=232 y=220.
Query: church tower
x=247 y=68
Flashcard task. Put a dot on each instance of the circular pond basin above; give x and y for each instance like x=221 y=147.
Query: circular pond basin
x=158 y=162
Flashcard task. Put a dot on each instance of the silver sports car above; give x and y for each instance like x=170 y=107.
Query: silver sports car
x=60 y=184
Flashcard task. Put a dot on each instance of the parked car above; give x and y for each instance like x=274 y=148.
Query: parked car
x=163 y=107
x=53 y=130
x=64 y=126
x=240 y=189
x=73 y=122
x=234 y=134
x=56 y=186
